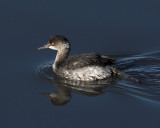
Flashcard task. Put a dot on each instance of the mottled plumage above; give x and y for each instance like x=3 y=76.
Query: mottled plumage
x=86 y=59
x=83 y=67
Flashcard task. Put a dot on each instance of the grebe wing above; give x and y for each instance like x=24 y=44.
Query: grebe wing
x=87 y=59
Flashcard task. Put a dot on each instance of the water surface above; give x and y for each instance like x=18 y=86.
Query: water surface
x=110 y=27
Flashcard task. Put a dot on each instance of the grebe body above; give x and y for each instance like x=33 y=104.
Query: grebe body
x=83 y=67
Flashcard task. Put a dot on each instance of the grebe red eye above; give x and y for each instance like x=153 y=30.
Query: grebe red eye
x=52 y=44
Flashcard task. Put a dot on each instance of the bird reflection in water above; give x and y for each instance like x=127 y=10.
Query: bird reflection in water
x=65 y=87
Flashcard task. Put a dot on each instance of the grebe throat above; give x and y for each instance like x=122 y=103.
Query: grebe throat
x=61 y=56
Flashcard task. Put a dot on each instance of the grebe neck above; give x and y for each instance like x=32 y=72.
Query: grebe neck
x=61 y=56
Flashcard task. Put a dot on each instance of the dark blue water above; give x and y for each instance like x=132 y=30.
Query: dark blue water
x=126 y=30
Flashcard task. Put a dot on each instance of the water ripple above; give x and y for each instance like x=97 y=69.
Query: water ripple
x=144 y=67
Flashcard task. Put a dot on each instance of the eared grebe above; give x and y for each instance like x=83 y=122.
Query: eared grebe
x=83 y=67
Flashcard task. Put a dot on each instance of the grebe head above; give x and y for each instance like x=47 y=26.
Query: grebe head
x=62 y=45
x=57 y=42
